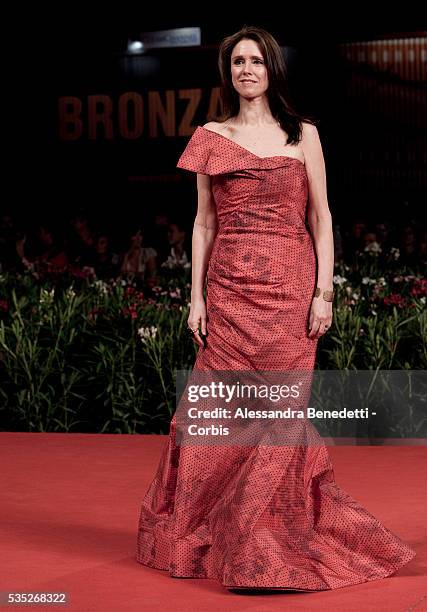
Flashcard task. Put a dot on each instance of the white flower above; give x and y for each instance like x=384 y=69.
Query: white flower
x=101 y=286
x=373 y=248
x=176 y=293
x=175 y=261
x=70 y=293
x=339 y=280
x=147 y=332
x=423 y=299
x=395 y=253
x=46 y=297
x=89 y=270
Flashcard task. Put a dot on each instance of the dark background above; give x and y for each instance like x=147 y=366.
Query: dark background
x=77 y=52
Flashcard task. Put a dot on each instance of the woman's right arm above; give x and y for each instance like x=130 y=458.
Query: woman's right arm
x=204 y=232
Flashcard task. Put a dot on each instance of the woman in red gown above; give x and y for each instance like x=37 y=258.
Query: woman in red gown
x=259 y=517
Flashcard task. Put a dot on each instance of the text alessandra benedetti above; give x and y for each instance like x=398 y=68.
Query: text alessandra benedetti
x=288 y=413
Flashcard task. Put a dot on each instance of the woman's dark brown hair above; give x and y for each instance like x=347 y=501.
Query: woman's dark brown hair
x=278 y=92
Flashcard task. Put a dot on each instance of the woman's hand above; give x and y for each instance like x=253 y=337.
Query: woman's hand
x=197 y=318
x=320 y=319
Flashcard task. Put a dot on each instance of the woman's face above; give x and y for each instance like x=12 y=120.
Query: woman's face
x=408 y=235
x=357 y=229
x=175 y=235
x=369 y=238
x=45 y=236
x=102 y=244
x=136 y=239
x=248 y=70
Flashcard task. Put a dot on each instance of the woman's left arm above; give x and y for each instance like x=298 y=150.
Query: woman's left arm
x=320 y=221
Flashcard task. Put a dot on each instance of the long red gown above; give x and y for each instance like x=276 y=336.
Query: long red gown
x=258 y=517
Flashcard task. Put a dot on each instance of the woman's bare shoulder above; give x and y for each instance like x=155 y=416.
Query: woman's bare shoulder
x=309 y=138
x=309 y=130
x=312 y=146
x=215 y=126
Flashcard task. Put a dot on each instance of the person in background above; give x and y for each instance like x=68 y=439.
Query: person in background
x=368 y=237
x=353 y=239
x=179 y=255
x=383 y=231
x=104 y=261
x=408 y=245
x=81 y=241
x=140 y=260
x=47 y=250
x=159 y=234
x=10 y=236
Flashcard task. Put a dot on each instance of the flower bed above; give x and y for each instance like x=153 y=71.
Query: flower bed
x=81 y=354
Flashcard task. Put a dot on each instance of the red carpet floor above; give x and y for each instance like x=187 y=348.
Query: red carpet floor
x=69 y=514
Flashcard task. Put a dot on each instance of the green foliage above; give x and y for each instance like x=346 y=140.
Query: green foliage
x=78 y=354
x=97 y=358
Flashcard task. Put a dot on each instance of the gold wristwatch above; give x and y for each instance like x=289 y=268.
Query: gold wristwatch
x=328 y=296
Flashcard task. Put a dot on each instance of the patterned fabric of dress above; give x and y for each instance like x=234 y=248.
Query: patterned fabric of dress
x=258 y=516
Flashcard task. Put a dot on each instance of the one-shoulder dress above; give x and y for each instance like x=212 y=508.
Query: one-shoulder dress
x=257 y=518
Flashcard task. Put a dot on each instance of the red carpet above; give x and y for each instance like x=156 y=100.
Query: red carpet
x=69 y=515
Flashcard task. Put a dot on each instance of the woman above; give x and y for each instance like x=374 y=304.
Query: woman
x=51 y=254
x=177 y=257
x=105 y=262
x=139 y=261
x=259 y=517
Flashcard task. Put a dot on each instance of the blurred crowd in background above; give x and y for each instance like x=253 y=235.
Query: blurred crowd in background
x=144 y=250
